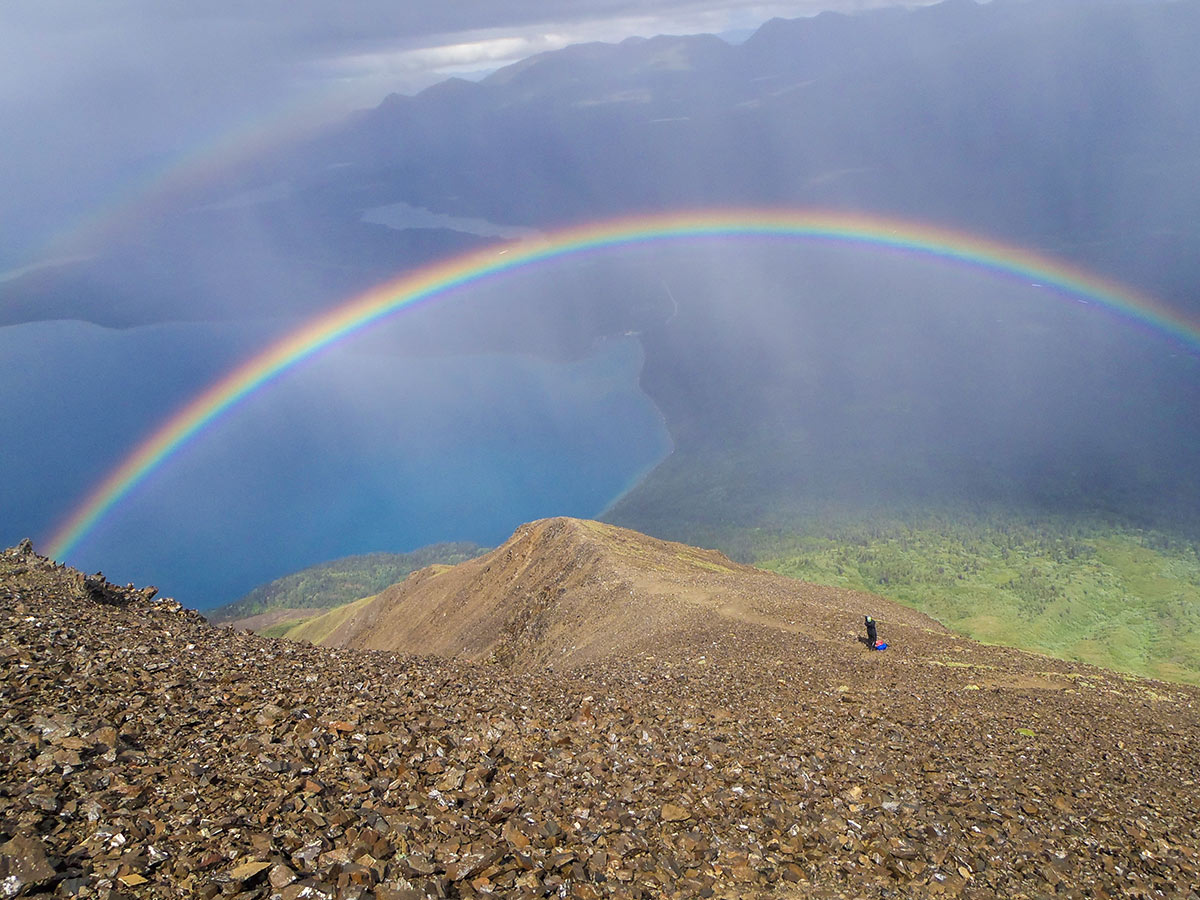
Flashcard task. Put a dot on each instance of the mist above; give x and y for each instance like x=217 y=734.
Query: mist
x=183 y=189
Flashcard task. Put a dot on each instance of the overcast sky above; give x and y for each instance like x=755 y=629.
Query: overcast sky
x=92 y=92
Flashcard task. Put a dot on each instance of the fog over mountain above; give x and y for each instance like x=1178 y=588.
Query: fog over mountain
x=761 y=380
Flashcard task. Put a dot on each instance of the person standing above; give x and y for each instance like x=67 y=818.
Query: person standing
x=872 y=636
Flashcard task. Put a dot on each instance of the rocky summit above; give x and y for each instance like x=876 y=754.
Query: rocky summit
x=745 y=743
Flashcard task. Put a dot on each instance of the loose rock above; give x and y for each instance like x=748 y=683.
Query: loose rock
x=146 y=753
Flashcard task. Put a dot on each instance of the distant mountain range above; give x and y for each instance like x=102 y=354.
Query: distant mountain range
x=1002 y=115
x=1068 y=126
x=1065 y=125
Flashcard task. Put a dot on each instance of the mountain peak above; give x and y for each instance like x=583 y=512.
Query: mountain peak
x=571 y=591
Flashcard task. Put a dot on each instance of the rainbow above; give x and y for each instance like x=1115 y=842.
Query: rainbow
x=435 y=280
x=182 y=177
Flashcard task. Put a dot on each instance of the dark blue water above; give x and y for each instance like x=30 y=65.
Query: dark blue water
x=353 y=452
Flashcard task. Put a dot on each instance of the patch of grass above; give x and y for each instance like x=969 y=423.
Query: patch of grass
x=318 y=629
x=1119 y=598
x=699 y=562
x=280 y=629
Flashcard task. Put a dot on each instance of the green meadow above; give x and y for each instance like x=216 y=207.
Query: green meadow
x=318 y=628
x=1115 y=597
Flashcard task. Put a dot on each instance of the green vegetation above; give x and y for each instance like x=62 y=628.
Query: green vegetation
x=1115 y=597
x=281 y=629
x=317 y=629
x=1058 y=567
x=340 y=581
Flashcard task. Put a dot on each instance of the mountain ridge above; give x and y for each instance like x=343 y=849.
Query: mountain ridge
x=565 y=591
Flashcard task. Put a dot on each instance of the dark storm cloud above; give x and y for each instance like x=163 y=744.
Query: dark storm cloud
x=94 y=95
x=50 y=45
x=91 y=94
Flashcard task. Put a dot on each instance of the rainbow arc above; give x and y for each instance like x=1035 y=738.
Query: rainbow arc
x=427 y=284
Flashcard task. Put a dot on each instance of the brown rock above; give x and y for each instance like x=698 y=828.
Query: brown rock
x=391 y=892
x=515 y=837
x=417 y=866
x=280 y=876
x=672 y=813
x=246 y=872
x=452 y=780
x=23 y=865
x=104 y=737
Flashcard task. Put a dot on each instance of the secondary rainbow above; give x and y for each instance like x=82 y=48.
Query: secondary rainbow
x=185 y=179
x=439 y=279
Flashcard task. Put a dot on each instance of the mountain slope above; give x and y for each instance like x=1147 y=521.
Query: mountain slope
x=1121 y=599
x=148 y=753
x=337 y=581
x=566 y=591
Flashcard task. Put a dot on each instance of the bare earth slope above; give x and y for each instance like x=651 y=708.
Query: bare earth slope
x=567 y=591
x=145 y=753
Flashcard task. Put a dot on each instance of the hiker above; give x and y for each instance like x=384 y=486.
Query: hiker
x=873 y=641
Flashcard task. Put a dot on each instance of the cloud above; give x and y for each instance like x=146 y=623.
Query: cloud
x=91 y=94
x=140 y=55
x=413 y=59
x=372 y=71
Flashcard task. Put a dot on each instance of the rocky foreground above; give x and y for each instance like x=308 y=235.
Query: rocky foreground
x=146 y=753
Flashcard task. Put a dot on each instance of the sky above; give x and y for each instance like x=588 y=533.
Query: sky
x=93 y=95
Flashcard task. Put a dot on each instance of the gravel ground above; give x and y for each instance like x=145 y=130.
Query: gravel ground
x=146 y=753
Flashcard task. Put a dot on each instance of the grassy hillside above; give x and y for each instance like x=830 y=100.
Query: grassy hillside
x=316 y=629
x=1097 y=573
x=1124 y=599
x=342 y=580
